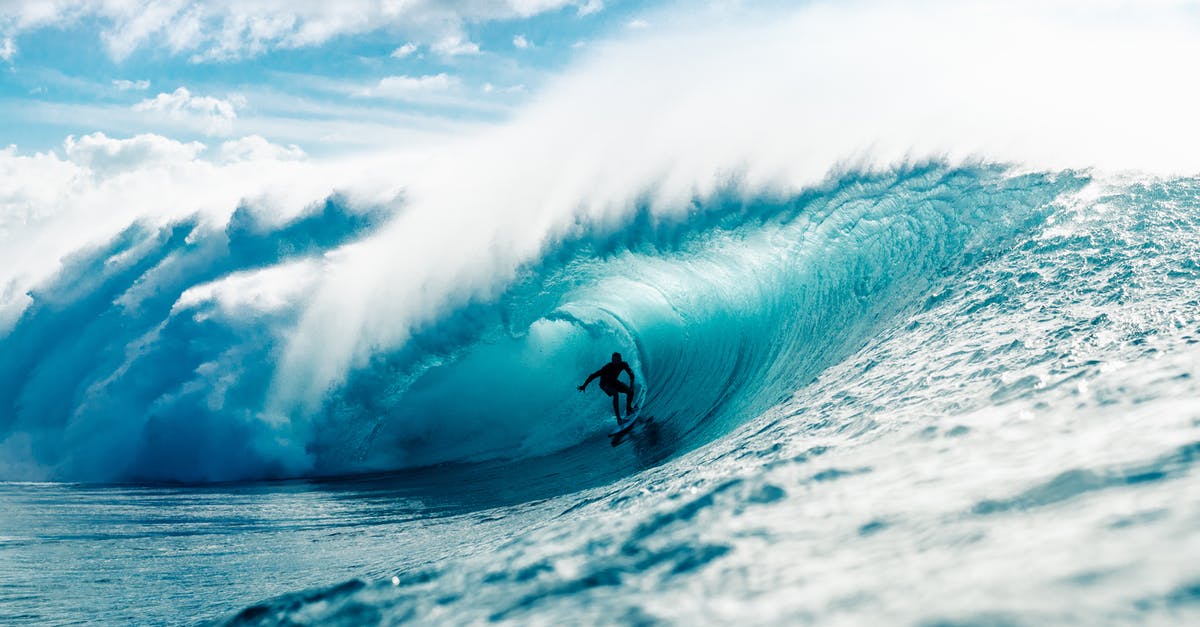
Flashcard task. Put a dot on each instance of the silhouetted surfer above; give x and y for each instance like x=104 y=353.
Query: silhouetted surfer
x=612 y=386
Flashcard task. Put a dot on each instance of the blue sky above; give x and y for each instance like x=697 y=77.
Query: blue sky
x=328 y=77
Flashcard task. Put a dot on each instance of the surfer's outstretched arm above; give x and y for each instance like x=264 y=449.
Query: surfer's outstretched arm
x=589 y=380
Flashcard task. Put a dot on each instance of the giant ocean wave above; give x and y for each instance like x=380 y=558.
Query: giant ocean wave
x=152 y=357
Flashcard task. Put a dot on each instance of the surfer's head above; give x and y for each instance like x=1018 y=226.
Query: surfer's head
x=616 y=357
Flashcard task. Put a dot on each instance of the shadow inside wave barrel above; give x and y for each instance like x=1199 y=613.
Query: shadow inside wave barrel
x=451 y=489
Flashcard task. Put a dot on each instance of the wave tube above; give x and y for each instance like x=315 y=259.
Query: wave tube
x=152 y=358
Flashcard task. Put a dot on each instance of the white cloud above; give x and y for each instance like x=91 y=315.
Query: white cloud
x=340 y=118
x=489 y=88
x=591 y=6
x=409 y=87
x=520 y=43
x=224 y=29
x=16 y=17
x=8 y=49
x=257 y=148
x=107 y=156
x=214 y=116
x=454 y=45
x=404 y=51
x=637 y=24
x=126 y=85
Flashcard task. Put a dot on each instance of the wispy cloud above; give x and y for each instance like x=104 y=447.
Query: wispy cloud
x=404 y=51
x=408 y=87
x=257 y=148
x=454 y=45
x=214 y=116
x=216 y=30
x=591 y=6
x=489 y=88
x=520 y=43
x=637 y=24
x=127 y=85
x=318 y=125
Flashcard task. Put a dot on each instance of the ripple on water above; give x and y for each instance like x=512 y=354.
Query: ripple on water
x=979 y=620
x=1075 y=482
x=277 y=611
x=1186 y=596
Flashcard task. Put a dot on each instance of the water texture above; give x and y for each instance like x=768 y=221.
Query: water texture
x=931 y=395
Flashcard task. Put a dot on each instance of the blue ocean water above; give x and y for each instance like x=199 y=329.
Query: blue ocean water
x=930 y=395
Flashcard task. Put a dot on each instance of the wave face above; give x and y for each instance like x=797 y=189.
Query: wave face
x=873 y=403
x=153 y=357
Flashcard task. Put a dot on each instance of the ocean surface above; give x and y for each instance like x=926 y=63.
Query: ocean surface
x=928 y=395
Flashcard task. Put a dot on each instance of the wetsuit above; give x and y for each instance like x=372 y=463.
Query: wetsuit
x=609 y=382
x=613 y=386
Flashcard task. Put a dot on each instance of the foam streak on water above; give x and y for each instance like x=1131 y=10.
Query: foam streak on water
x=933 y=396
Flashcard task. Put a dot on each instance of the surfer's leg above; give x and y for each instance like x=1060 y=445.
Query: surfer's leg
x=615 y=392
x=628 y=392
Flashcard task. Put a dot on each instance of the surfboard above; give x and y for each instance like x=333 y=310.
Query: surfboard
x=624 y=427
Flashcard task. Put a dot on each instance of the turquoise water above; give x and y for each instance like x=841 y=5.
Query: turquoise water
x=935 y=395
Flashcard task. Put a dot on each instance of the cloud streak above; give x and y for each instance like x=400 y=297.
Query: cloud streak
x=216 y=30
x=454 y=45
x=404 y=51
x=411 y=87
x=127 y=85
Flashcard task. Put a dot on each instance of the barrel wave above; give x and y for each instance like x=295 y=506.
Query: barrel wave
x=153 y=357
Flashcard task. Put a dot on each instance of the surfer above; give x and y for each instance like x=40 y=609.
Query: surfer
x=613 y=386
